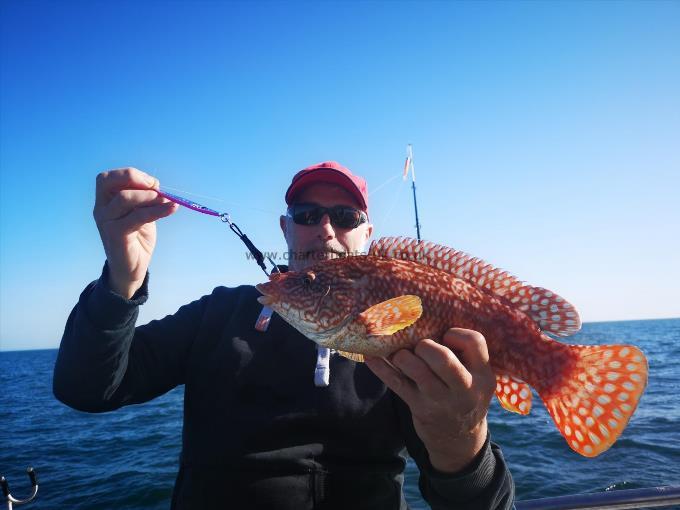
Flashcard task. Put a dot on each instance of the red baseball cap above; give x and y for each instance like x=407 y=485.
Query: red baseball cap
x=329 y=172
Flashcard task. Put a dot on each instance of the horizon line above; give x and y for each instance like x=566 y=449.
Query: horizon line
x=560 y=339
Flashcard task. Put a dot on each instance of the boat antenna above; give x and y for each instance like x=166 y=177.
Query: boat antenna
x=409 y=166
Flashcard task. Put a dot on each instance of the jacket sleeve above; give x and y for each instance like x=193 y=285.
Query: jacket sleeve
x=486 y=484
x=104 y=362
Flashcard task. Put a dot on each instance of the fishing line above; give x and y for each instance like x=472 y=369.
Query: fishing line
x=395 y=200
x=216 y=199
x=384 y=183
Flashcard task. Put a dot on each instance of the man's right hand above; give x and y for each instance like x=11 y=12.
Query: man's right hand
x=126 y=209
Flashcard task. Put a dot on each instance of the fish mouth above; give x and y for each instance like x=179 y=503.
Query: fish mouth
x=266 y=298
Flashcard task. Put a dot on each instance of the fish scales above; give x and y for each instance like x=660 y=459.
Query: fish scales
x=405 y=291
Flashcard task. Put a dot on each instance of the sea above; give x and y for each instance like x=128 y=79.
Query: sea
x=128 y=458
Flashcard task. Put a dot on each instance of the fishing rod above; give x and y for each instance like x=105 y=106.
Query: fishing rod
x=409 y=166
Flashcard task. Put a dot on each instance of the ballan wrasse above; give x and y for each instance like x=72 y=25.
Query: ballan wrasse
x=406 y=290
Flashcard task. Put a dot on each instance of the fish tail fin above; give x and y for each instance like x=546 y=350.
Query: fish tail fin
x=596 y=396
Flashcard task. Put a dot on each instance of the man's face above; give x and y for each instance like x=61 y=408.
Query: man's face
x=309 y=244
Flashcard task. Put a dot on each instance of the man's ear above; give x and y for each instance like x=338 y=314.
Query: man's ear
x=369 y=232
x=283 y=223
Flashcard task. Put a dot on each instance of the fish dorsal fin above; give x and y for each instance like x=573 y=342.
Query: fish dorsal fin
x=551 y=312
x=513 y=394
x=388 y=317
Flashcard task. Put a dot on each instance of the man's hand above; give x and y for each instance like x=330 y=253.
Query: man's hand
x=125 y=210
x=448 y=388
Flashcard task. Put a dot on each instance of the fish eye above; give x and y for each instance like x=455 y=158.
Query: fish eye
x=308 y=279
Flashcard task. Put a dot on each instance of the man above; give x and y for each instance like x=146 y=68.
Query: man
x=257 y=432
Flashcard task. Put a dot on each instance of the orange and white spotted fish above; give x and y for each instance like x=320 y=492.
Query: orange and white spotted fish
x=406 y=290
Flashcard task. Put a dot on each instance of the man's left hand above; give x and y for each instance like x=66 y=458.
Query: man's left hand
x=448 y=387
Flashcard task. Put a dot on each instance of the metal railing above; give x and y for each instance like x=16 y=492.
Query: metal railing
x=611 y=500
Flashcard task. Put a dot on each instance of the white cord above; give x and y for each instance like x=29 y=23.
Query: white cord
x=322 y=371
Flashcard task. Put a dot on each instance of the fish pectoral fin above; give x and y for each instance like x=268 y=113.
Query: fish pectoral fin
x=354 y=356
x=513 y=394
x=393 y=315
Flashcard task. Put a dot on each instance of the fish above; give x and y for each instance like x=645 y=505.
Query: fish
x=405 y=290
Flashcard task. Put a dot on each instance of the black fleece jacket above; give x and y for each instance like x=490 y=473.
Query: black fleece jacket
x=257 y=433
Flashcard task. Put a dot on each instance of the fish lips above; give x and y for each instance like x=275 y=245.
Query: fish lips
x=266 y=298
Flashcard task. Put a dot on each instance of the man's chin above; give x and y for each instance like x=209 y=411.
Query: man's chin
x=312 y=258
x=323 y=255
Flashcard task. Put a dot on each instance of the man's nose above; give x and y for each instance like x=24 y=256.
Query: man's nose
x=327 y=230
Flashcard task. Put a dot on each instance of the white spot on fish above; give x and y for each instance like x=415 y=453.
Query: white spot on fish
x=524 y=393
x=604 y=399
x=609 y=387
x=624 y=352
x=594 y=438
x=578 y=435
x=629 y=386
x=589 y=421
x=623 y=396
x=523 y=408
x=588 y=449
x=598 y=411
x=567 y=430
x=612 y=376
x=603 y=430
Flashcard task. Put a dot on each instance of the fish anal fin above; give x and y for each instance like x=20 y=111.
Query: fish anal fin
x=388 y=317
x=550 y=312
x=598 y=397
x=513 y=394
x=354 y=356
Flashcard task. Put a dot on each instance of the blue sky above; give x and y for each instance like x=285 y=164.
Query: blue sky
x=545 y=138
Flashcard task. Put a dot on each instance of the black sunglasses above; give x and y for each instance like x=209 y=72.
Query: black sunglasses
x=341 y=216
